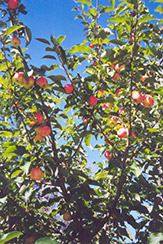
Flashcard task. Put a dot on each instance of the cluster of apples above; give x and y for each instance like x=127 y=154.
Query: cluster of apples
x=147 y=100
x=41 y=81
x=41 y=131
x=118 y=69
x=69 y=89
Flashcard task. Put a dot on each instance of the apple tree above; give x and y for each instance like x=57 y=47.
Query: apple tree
x=105 y=93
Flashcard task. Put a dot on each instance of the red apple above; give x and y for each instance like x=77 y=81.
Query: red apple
x=148 y=102
x=29 y=83
x=121 y=111
x=94 y=63
x=116 y=77
x=114 y=119
x=15 y=41
x=92 y=101
x=40 y=118
x=43 y=131
x=107 y=155
x=118 y=91
x=42 y=82
x=137 y=97
x=122 y=132
x=8 y=90
x=37 y=137
x=85 y=121
x=101 y=92
x=36 y=174
x=19 y=77
x=107 y=105
x=92 y=45
x=132 y=134
x=119 y=67
x=30 y=240
x=68 y=88
x=13 y=4
x=67 y=216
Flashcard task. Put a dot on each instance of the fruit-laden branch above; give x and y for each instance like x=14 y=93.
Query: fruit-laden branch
x=15 y=105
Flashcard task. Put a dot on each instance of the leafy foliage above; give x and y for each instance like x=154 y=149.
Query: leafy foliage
x=124 y=190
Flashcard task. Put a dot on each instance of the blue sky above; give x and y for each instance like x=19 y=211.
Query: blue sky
x=55 y=17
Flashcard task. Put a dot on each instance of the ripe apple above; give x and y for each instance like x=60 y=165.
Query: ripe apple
x=85 y=121
x=118 y=91
x=137 y=97
x=19 y=77
x=15 y=41
x=143 y=77
x=30 y=240
x=148 y=102
x=37 y=137
x=67 y=216
x=42 y=82
x=29 y=83
x=119 y=67
x=121 y=111
x=8 y=90
x=95 y=63
x=101 y=92
x=13 y=4
x=107 y=105
x=116 y=77
x=114 y=119
x=40 y=118
x=68 y=88
x=36 y=174
x=132 y=38
x=92 y=101
x=107 y=155
x=122 y=132
x=92 y=45
x=43 y=131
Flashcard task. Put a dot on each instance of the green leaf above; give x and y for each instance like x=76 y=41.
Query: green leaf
x=46 y=240
x=118 y=42
x=54 y=41
x=3 y=81
x=159 y=9
x=88 y=139
x=9 y=236
x=57 y=77
x=158 y=1
x=155 y=238
x=28 y=34
x=11 y=29
x=146 y=18
x=80 y=48
x=93 y=12
x=60 y=39
x=112 y=3
x=2 y=24
x=3 y=200
x=89 y=2
x=137 y=170
x=43 y=40
x=49 y=56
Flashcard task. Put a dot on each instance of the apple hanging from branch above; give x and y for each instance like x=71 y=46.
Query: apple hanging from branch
x=36 y=174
